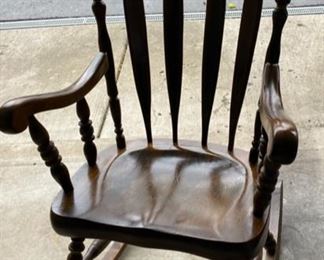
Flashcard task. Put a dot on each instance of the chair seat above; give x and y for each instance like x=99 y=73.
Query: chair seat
x=164 y=192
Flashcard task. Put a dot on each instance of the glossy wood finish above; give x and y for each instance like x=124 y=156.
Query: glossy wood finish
x=14 y=114
x=99 y=10
x=245 y=49
x=50 y=154
x=281 y=132
x=86 y=131
x=173 y=42
x=214 y=27
x=278 y=135
x=158 y=193
x=281 y=138
x=137 y=39
x=194 y=197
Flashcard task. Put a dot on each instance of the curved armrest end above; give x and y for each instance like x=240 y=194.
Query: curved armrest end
x=10 y=121
x=283 y=142
x=15 y=113
x=281 y=131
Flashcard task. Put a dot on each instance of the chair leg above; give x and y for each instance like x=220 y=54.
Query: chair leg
x=270 y=245
x=76 y=247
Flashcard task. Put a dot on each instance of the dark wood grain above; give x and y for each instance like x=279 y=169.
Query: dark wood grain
x=281 y=132
x=214 y=27
x=150 y=183
x=245 y=49
x=86 y=131
x=99 y=10
x=50 y=154
x=281 y=138
x=137 y=39
x=173 y=42
x=195 y=197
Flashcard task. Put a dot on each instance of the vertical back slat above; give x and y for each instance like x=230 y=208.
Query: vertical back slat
x=173 y=44
x=245 y=48
x=137 y=38
x=214 y=27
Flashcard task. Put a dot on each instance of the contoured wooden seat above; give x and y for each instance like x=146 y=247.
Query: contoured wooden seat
x=174 y=197
x=195 y=197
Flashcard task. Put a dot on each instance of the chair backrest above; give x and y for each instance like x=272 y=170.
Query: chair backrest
x=173 y=45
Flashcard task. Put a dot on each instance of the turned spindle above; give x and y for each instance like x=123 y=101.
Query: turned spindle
x=50 y=154
x=86 y=131
x=266 y=184
x=99 y=10
x=76 y=247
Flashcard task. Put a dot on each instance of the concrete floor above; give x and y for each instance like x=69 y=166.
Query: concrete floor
x=41 y=60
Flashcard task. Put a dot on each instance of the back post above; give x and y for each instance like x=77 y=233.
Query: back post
x=99 y=10
x=279 y=18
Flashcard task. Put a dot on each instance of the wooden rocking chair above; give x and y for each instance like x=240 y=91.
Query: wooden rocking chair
x=201 y=198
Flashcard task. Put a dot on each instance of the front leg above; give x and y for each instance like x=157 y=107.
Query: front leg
x=76 y=247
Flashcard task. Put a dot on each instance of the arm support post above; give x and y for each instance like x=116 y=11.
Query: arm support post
x=18 y=114
x=86 y=131
x=281 y=135
x=50 y=154
x=278 y=129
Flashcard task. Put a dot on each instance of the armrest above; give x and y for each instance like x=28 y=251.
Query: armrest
x=281 y=131
x=14 y=114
